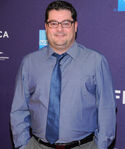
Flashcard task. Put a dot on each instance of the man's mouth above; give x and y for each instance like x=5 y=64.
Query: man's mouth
x=60 y=35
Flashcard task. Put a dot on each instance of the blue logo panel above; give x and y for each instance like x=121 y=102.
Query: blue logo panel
x=42 y=39
x=121 y=5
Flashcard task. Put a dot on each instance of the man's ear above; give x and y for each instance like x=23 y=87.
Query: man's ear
x=76 y=26
x=45 y=26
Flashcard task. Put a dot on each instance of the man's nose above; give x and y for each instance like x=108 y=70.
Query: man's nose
x=60 y=26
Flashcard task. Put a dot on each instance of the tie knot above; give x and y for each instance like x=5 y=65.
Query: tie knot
x=59 y=57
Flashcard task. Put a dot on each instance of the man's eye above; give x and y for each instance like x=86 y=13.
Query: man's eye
x=66 y=23
x=53 y=23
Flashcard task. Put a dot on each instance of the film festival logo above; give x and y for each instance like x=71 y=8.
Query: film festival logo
x=120 y=94
x=3 y=35
x=42 y=39
x=2 y=58
x=121 y=5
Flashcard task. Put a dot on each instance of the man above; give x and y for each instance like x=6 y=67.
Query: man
x=64 y=92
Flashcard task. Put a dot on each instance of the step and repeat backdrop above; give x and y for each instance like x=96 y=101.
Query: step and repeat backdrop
x=101 y=26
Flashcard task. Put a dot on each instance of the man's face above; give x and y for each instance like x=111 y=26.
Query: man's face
x=60 y=38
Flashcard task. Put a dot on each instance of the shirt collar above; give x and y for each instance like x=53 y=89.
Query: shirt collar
x=72 y=51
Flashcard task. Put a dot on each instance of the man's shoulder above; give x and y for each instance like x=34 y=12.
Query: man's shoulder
x=39 y=53
x=36 y=55
x=89 y=52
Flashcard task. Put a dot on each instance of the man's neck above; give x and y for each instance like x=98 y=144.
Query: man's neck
x=61 y=50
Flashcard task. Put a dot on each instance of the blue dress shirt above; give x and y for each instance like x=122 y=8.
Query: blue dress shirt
x=87 y=98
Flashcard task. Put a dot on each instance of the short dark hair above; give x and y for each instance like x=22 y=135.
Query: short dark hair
x=61 y=5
